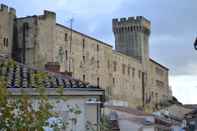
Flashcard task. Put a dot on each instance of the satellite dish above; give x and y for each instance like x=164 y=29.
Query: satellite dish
x=195 y=44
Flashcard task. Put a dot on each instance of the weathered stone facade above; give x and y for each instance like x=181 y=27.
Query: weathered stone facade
x=127 y=75
x=7 y=16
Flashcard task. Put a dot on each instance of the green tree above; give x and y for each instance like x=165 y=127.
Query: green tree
x=18 y=113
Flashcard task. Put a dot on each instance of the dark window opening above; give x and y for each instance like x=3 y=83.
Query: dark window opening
x=83 y=59
x=98 y=81
x=129 y=68
x=84 y=77
x=115 y=65
x=83 y=42
x=113 y=81
x=97 y=48
x=133 y=72
x=83 y=46
x=66 y=37
x=123 y=68
x=4 y=42
x=66 y=53
x=98 y=64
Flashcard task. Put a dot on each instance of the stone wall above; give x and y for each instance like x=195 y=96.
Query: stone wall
x=7 y=16
x=39 y=40
x=35 y=39
x=159 y=89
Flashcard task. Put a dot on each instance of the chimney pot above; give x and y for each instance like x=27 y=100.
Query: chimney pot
x=53 y=67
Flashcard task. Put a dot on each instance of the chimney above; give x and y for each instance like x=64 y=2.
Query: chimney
x=53 y=67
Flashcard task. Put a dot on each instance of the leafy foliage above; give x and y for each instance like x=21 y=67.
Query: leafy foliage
x=24 y=113
x=104 y=125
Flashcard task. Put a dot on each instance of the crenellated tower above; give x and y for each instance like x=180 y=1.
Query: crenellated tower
x=7 y=16
x=132 y=36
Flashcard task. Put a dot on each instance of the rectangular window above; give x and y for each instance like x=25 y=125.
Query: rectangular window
x=98 y=64
x=159 y=71
x=115 y=65
x=83 y=42
x=98 y=81
x=84 y=59
x=84 y=77
x=7 y=42
x=123 y=68
x=97 y=48
x=113 y=81
x=4 y=42
x=159 y=83
x=129 y=68
x=133 y=72
x=83 y=45
x=66 y=53
x=66 y=37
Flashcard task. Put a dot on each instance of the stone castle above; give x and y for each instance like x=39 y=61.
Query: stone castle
x=128 y=75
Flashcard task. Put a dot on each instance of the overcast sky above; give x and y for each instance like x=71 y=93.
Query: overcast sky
x=174 y=28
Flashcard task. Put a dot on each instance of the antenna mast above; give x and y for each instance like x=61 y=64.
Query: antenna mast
x=70 y=47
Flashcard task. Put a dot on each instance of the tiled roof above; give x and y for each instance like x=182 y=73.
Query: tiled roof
x=18 y=75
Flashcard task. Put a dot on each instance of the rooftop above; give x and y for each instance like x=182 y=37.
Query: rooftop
x=18 y=75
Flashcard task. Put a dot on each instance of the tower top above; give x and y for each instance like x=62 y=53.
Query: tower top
x=5 y=8
x=131 y=36
x=138 y=20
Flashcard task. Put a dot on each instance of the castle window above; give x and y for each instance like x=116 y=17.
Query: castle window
x=98 y=63
x=113 y=81
x=159 y=83
x=98 y=81
x=83 y=59
x=133 y=72
x=128 y=71
x=26 y=26
x=159 y=71
x=83 y=42
x=66 y=37
x=4 y=42
x=7 y=42
x=97 y=48
x=66 y=53
x=115 y=65
x=123 y=68
x=84 y=77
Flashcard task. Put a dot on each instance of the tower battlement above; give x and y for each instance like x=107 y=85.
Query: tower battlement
x=49 y=13
x=5 y=8
x=131 y=21
x=129 y=33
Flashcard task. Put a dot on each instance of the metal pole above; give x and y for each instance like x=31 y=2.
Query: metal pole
x=70 y=47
